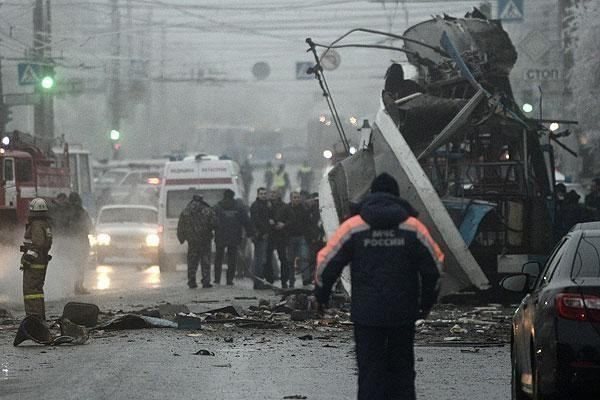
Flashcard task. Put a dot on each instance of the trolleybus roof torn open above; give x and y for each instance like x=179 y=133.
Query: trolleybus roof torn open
x=478 y=171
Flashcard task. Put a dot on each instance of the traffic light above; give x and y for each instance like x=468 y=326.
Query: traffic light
x=47 y=80
x=527 y=101
x=115 y=135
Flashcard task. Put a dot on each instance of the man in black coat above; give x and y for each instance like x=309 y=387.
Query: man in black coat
x=196 y=225
x=296 y=221
x=260 y=215
x=277 y=239
x=78 y=225
x=395 y=268
x=232 y=220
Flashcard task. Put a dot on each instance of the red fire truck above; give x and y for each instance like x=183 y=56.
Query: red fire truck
x=26 y=172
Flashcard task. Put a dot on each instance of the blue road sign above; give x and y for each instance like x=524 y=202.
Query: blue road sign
x=29 y=74
x=510 y=10
x=301 y=68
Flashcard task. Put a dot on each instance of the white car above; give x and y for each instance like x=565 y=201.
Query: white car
x=128 y=232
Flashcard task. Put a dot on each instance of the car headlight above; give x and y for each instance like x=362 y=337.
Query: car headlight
x=152 y=240
x=92 y=240
x=103 y=239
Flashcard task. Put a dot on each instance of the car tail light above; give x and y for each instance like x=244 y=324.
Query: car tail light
x=578 y=307
x=153 y=181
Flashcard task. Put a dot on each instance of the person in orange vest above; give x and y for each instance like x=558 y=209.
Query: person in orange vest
x=395 y=268
x=34 y=262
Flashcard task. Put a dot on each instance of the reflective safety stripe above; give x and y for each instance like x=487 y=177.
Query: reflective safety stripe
x=33 y=296
x=37 y=266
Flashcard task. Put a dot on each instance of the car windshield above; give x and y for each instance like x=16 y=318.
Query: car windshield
x=111 y=177
x=124 y=215
x=178 y=199
x=587 y=259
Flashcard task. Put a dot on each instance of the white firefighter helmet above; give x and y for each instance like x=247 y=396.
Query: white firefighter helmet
x=38 y=207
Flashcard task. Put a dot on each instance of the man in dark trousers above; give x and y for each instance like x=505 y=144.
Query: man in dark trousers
x=232 y=219
x=260 y=215
x=196 y=224
x=277 y=240
x=296 y=225
x=395 y=268
x=78 y=227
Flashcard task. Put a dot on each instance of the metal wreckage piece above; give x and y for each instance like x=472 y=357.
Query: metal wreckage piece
x=465 y=157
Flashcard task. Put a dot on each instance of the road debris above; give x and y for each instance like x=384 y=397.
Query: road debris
x=188 y=321
x=81 y=313
x=204 y=352
x=228 y=365
x=34 y=329
x=133 y=321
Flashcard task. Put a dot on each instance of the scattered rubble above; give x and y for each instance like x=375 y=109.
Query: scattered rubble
x=204 y=352
x=466 y=324
x=293 y=312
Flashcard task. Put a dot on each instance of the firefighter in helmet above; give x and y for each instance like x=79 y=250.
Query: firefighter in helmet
x=37 y=243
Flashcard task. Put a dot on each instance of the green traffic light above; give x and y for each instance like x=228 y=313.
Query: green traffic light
x=115 y=134
x=47 y=82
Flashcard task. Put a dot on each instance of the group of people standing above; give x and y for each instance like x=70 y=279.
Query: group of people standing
x=569 y=210
x=226 y=222
x=293 y=230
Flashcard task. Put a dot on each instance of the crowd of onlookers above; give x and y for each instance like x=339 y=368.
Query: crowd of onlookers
x=570 y=211
x=290 y=231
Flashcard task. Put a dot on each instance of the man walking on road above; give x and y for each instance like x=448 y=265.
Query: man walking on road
x=34 y=262
x=277 y=241
x=296 y=225
x=262 y=222
x=395 y=270
x=196 y=224
x=232 y=218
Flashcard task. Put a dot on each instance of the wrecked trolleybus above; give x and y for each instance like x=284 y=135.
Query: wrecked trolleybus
x=477 y=170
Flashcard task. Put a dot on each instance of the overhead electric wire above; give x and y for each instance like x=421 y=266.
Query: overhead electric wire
x=317 y=70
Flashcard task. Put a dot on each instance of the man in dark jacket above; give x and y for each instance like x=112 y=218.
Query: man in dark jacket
x=78 y=227
x=196 y=224
x=232 y=219
x=277 y=240
x=58 y=210
x=395 y=268
x=260 y=215
x=296 y=225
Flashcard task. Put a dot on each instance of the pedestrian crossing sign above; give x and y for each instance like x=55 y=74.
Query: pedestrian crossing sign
x=29 y=74
x=510 y=10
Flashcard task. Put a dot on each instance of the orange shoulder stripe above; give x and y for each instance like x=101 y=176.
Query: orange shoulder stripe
x=342 y=234
x=422 y=229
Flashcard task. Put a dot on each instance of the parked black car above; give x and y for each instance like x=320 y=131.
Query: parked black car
x=555 y=337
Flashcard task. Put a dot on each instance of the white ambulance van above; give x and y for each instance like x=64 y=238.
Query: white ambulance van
x=207 y=174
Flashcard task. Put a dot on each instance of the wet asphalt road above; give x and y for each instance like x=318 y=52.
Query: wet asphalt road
x=257 y=364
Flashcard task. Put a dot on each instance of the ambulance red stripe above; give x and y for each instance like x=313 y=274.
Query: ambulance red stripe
x=196 y=181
